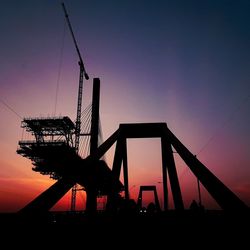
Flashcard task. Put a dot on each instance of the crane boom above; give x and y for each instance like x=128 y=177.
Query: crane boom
x=74 y=40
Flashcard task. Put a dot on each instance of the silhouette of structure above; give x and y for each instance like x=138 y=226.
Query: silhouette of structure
x=148 y=188
x=96 y=177
x=226 y=199
x=55 y=152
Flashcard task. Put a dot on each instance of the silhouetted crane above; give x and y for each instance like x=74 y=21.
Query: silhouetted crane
x=79 y=102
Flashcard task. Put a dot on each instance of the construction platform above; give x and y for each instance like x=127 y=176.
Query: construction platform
x=52 y=153
x=52 y=146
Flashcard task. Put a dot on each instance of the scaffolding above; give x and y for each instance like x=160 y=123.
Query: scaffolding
x=52 y=145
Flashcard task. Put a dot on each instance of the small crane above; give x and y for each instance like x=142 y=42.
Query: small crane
x=84 y=74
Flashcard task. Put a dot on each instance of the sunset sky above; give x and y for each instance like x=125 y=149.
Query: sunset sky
x=186 y=63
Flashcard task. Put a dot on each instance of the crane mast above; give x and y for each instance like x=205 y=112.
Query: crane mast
x=83 y=74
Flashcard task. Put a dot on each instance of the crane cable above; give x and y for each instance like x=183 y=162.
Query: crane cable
x=229 y=119
x=215 y=134
x=60 y=66
x=10 y=108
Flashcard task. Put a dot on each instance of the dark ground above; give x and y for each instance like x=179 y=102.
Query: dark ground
x=204 y=230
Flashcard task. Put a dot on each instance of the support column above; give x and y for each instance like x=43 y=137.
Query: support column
x=112 y=202
x=174 y=182
x=95 y=116
x=164 y=173
x=125 y=167
x=117 y=163
x=91 y=202
x=139 y=200
x=157 y=203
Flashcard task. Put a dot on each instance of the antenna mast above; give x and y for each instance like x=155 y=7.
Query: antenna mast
x=84 y=74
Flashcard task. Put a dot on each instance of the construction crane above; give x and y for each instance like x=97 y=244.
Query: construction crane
x=83 y=74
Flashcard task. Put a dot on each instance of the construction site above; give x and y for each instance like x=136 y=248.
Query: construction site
x=72 y=153
x=55 y=152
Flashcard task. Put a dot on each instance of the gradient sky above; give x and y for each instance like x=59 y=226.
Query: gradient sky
x=186 y=63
